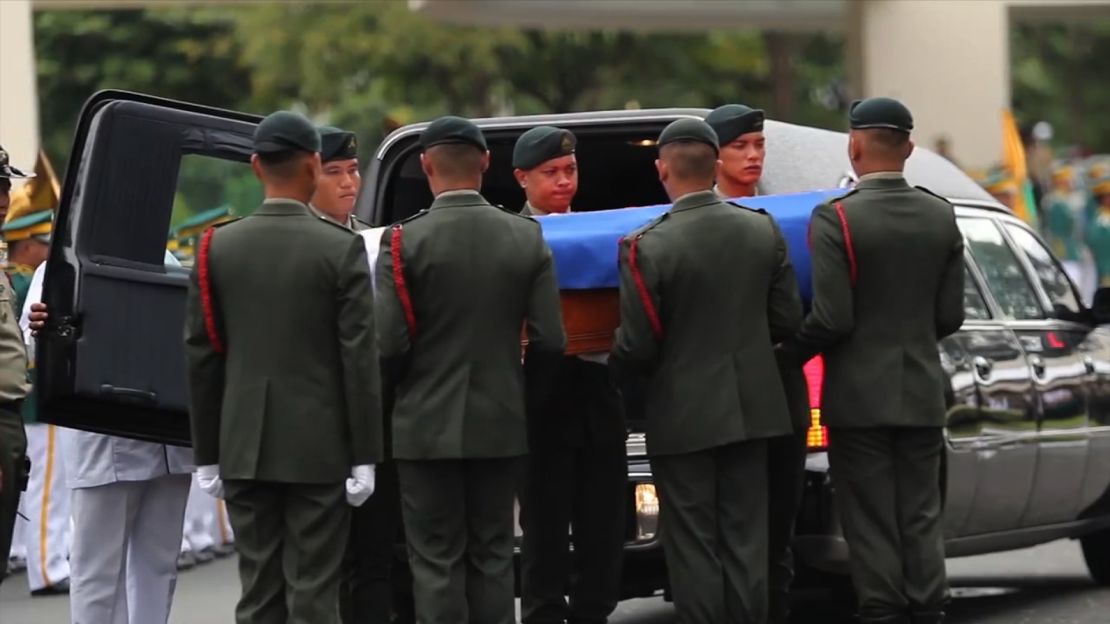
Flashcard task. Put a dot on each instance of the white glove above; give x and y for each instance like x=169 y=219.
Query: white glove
x=361 y=484
x=208 y=478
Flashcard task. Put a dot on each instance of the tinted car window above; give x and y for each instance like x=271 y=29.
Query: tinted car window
x=975 y=307
x=1000 y=268
x=1053 y=279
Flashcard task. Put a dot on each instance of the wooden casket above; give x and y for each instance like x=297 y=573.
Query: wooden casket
x=585 y=247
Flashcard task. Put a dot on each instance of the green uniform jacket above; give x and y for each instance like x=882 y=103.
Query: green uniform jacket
x=881 y=303
x=294 y=397
x=21 y=275
x=723 y=289
x=470 y=277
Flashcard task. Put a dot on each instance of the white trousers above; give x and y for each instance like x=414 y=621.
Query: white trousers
x=125 y=545
x=46 y=505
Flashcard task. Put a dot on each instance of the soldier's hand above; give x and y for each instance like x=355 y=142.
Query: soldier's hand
x=37 y=317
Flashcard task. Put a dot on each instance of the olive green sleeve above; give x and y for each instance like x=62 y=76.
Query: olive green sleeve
x=206 y=377
x=784 y=303
x=544 y=324
x=832 y=316
x=393 y=334
x=359 y=354
x=637 y=341
x=950 y=292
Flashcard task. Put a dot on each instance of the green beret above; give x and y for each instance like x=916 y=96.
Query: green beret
x=337 y=144
x=7 y=170
x=541 y=144
x=452 y=129
x=688 y=129
x=734 y=120
x=37 y=224
x=880 y=112
x=285 y=131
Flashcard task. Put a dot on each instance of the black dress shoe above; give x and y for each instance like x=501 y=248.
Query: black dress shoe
x=57 y=589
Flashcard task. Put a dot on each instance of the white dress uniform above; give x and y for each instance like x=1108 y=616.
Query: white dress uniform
x=128 y=509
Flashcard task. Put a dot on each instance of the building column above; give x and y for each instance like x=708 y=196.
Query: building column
x=19 y=115
x=948 y=60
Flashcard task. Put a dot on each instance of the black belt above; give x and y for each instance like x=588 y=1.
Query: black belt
x=12 y=406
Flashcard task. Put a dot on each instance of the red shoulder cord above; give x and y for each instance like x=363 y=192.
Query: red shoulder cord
x=399 y=280
x=207 y=304
x=641 y=288
x=853 y=269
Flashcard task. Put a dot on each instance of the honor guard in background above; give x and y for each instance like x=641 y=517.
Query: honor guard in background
x=576 y=470
x=743 y=148
x=337 y=188
x=14 y=387
x=888 y=273
x=456 y=283
x=1098 y=231
x=703 y=338
x=370 y=593
x=283 y=376
x=128 y=505
x=45 y=504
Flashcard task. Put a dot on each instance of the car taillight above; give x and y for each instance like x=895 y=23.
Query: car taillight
x=817 y=437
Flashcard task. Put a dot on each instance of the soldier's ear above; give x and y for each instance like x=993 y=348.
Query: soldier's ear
x=426 y=165
x=909 y=148
x=256 y=166
x=661 y=169
x=485 y=161
x=520 y=174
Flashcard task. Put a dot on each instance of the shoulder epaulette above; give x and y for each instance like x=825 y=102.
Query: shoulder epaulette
x=643 y=229
x=748 y=208
x=333 y=223
x=832 y=200
x=516 y=213
x=940 y=197
x=411 y=217
x=361 y=222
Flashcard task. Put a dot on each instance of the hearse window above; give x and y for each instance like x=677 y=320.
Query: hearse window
x=975 y=307
x=615 y=170
x=1055 y=282
x=1001 y=270
x=209 y=191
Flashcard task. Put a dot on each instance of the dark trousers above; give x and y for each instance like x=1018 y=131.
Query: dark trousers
x=581 y=489
x=458 y=518
x=377 y=584
x=290 y=539
x=786 y=467
x=714 y=532
x=13 y=448
x=888 y=496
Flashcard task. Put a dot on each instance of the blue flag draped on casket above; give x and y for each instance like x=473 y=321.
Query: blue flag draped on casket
x=584 y=244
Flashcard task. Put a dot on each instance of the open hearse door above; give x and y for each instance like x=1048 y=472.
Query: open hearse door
x=111 y=358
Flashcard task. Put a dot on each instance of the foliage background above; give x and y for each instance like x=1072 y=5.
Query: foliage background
x=373 y=66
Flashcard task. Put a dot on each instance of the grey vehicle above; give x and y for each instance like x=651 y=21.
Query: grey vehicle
x=1028 y=456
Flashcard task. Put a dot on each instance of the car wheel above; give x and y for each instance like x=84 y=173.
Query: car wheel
x=1096 y=550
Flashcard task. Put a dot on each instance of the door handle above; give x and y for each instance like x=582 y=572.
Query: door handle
x=983 y=366
x=1089 y=364
x=132 y=395
x=1038 y=366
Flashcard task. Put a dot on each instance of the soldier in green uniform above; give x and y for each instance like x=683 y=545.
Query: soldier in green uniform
x=1098 y=231
x=704 y=340
x=888 y=284
x=576 y=470
x=13 y=388
x=743 y=149
x=283 y=377
x=371 y=593
x=337 y=188
x=455 y=285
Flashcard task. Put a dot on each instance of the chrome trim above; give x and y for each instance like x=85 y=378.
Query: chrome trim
x=636 y=445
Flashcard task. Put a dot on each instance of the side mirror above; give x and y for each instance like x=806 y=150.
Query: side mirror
x=1100 y=309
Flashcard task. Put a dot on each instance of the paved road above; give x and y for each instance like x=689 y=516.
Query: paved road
x=1043 y=585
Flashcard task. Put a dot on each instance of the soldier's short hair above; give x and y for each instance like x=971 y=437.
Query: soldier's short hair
x=690 y=160
x=282 y=164
x=456 y=160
